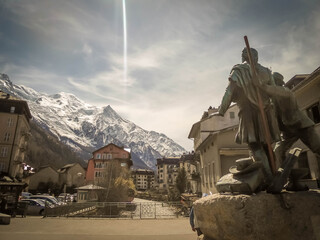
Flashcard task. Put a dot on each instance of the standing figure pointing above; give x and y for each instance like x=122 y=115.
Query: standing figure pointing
x=242 y=90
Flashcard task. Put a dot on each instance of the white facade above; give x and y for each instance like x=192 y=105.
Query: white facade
x=214 y=140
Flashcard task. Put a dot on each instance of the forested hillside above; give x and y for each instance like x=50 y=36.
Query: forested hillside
x=45 y=149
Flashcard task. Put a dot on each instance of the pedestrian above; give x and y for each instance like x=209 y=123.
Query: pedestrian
x=194 y=223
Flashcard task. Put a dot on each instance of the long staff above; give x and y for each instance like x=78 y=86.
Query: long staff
x=261 y=108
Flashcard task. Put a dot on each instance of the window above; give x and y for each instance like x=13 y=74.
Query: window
x=207 y=169
x=4 y=152
x=213 y=174
x=314 y=112
x=10 y=122
x=109 y=156
x=210 y=174
x=99 y=174
x=98 y=156
x=7 y=137
x=2 y=167
x=231 y=114
x=99 y=165
x=104 y=156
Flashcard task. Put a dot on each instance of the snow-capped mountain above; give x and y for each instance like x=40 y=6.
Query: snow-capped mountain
x=85 y=127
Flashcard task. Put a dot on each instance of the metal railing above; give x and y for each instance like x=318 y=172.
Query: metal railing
x=139 y=210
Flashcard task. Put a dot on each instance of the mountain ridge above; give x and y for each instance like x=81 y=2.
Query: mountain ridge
x=83 y=126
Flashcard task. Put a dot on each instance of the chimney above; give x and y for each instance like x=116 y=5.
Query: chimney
x=212 y=110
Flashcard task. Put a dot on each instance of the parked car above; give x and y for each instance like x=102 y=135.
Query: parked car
x=35 y=206
x=46 y=198
x=25 y=195
x=65 y=197
x=75 y=197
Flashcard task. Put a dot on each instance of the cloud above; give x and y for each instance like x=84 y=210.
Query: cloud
x=35 y=78
x=179 y=52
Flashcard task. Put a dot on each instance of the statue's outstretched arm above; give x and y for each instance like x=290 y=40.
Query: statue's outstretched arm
x=227 y=99
x=276 y=91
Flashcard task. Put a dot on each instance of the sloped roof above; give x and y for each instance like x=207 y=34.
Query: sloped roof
x=300 y=80
x=143 y=171
x=190 y=157
x=124 y=149
x=168 y=160
x=194 y=129
x=8 y=101
x=211 y=136
x=66 y=167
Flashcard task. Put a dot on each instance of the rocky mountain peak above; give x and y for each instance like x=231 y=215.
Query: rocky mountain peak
x=7 y=84
x=84 y=127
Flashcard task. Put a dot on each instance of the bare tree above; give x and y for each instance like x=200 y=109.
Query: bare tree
x=119 y=187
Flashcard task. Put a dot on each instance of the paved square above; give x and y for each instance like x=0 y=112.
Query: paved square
x=37 y=228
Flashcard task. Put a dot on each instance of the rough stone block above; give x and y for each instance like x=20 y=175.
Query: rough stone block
x=5 y=219
x=285 y=216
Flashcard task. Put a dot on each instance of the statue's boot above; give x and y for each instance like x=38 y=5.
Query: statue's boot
x=282 y=175
x=295 y=176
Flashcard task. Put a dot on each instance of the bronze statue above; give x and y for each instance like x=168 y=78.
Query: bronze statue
x=266 y=109
x=294 y=124
x=242 y=90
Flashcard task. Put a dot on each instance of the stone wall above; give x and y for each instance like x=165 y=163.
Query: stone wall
x=285 y=216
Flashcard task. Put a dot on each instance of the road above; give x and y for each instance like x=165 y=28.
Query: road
x=37 y=228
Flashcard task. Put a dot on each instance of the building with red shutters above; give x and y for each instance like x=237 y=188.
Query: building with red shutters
x=105 y=162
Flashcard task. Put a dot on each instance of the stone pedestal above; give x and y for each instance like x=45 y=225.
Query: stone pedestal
x=285 y=216
x=5 y=219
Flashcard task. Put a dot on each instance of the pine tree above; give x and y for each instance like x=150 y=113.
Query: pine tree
x=181 y=181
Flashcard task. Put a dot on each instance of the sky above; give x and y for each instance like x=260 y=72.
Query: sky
x=179 y=52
